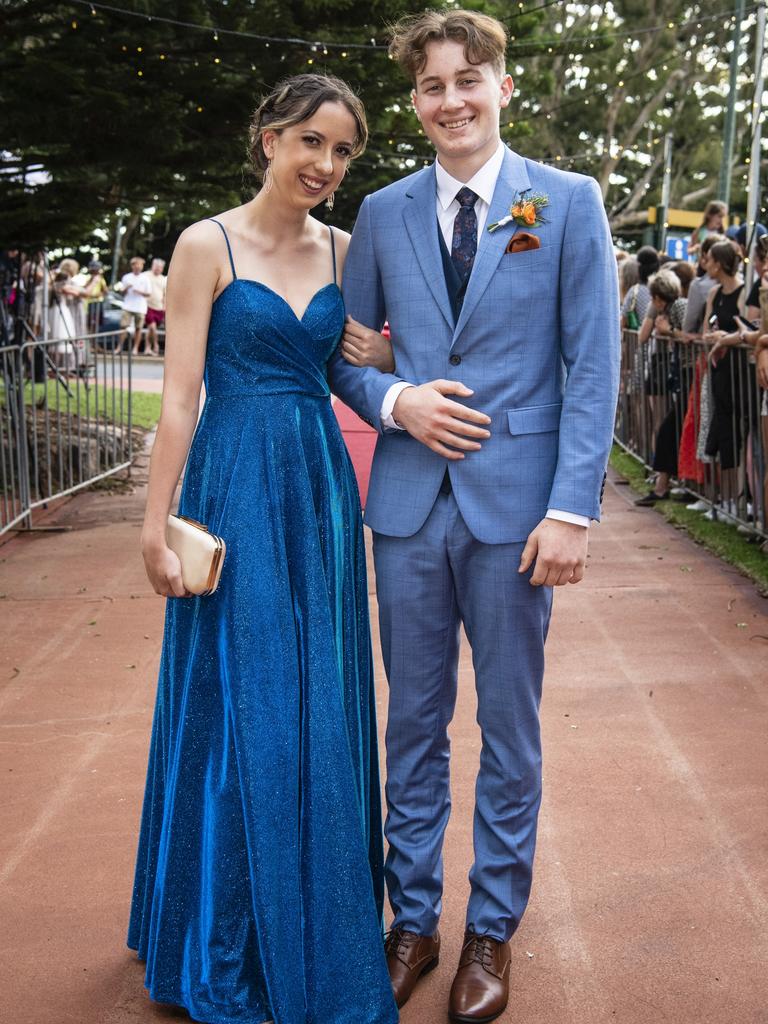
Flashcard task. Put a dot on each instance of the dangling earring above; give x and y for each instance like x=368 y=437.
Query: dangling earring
x=330 y=200
x=266 y=181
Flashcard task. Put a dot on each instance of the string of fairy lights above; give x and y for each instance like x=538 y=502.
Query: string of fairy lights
x=345 y=47
x=402 y=152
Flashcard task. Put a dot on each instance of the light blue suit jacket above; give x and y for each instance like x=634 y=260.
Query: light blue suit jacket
x=537 y=340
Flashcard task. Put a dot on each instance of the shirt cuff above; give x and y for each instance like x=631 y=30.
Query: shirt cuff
x=567 y=517
x=387 y=420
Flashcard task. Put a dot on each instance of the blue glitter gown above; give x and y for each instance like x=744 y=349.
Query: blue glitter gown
x=259 y=888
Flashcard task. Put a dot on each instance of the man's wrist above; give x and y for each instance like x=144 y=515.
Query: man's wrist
x=568 y=517
x=388 y=405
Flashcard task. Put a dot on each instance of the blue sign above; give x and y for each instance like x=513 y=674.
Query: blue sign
x=677 y=248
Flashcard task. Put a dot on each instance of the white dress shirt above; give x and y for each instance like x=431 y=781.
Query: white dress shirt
x=483 y=184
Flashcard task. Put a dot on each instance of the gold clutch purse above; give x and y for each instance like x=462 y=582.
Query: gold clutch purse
x=200 y=552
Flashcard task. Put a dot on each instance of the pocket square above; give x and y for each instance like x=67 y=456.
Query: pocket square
x=523 y=241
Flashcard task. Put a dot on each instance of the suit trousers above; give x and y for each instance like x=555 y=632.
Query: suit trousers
x=428 y=585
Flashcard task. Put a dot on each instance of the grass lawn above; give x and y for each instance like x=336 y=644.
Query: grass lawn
x=720 y=538
x=145 y=407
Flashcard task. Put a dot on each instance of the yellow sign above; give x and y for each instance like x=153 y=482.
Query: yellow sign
x=682 y=218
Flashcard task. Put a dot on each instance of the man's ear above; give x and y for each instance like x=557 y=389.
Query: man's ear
x=507 y=88
x=413 y=104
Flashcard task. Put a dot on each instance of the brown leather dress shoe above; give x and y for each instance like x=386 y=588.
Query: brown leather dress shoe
x=480 y=989
x=409 y=957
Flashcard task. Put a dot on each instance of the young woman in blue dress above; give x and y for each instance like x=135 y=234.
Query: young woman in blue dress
x=259 y=888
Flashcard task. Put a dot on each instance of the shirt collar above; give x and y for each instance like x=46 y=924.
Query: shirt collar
x=483 y=182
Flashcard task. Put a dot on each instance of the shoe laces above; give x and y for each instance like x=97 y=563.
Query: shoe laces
x=481 y=950
x=397 y=941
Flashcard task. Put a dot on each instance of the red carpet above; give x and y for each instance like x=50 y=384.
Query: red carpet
x=360 y=440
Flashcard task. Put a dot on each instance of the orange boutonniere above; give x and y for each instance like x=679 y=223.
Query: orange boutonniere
x=524 y=211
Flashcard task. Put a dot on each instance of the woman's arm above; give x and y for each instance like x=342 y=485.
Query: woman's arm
x=361 y=345
x=646 y=327
x=193 y=277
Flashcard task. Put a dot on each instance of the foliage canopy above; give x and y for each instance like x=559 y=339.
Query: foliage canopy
x=107 y=113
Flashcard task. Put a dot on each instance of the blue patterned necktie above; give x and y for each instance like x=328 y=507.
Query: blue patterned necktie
x=464 y=245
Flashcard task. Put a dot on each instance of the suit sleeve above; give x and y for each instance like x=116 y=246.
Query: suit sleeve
x=590 y=349
x=362 y=388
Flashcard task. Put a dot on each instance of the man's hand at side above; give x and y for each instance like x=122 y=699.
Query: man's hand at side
x=560 y=552
x=438 y=422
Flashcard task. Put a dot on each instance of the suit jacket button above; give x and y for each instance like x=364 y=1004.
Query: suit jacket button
x=454 y=360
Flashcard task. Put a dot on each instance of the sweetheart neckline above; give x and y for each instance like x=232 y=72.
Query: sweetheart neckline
x=285 y=302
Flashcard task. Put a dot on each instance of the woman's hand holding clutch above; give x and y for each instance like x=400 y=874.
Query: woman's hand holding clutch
x=362 y=346
x=163 y=568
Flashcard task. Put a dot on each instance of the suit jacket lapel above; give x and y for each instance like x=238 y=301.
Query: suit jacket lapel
x=420 y=216
x=513 y=177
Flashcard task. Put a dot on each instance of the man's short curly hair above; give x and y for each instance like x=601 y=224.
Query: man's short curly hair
x=484 y=39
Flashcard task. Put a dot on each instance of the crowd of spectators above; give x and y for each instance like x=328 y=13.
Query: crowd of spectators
x=696 y=370
x=70 y=305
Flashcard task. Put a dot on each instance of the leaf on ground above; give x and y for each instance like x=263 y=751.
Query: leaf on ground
x=741 y=625
x=731 y=603
x=685 y=568
x=92 y=622
x=130 y=666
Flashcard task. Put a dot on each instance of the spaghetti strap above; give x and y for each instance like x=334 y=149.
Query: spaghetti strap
x=229 y=247
x=333 y=252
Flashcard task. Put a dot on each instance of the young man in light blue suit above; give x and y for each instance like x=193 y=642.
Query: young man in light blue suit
x=494 y=435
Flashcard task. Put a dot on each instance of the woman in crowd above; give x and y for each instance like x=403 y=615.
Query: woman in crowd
x=669 y=375
x=66 y=316
x=686 y=275
x=714 y=224
x=629 y=275
x=760 y=256
x=761 y=358
x=745 y=393
x=728 y=369
x=633 y=310
x=259 y=883
x=692 y=460
x=638 y=298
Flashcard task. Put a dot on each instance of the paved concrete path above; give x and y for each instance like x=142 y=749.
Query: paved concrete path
x=650 y=900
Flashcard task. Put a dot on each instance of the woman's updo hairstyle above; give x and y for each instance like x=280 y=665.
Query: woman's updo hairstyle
x=296 y=99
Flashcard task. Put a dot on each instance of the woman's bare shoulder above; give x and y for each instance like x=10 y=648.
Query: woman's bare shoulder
x=202 y=236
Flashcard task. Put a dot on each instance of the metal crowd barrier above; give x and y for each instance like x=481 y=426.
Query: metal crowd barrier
x=65 y=420
x=705 y=420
